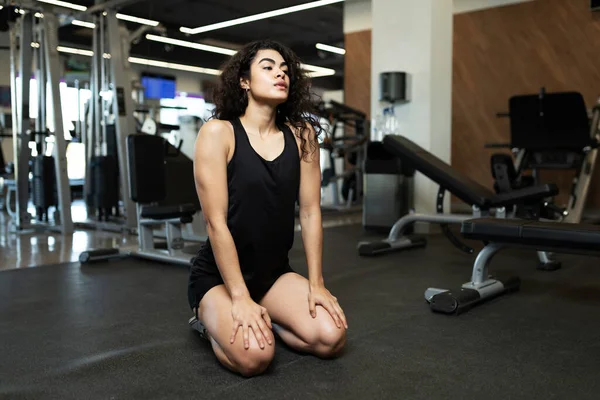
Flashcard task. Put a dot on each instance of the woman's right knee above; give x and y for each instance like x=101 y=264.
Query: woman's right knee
x=254 y=360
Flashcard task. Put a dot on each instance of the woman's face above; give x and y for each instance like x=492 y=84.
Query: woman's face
x=269 y=81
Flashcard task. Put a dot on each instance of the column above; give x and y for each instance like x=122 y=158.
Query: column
x=415 y=36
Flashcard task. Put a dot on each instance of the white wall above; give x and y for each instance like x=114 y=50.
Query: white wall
x=462 y=6
x=415 y=36
x=358 y=14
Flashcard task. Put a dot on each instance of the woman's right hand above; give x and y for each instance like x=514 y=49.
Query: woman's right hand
x=247 y=314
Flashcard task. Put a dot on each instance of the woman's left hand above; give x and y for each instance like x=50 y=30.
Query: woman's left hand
x=319 y=295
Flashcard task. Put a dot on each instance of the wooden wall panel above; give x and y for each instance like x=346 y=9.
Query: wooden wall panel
x=357 y=71
x=517 y=49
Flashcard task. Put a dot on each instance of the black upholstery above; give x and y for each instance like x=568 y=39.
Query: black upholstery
x=438 y=171
x=167 y=212
x=146 y=157
x=458 y=184
x=556 y=120
x=531 y=194
x=533 y=233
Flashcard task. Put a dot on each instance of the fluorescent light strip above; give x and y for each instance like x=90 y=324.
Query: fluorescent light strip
x=142 y=21
x=229 y=52
x=143 y=61
x=332 y=49
x=192 y=45
x=319 y=74
x=320 y=70
x=65 y=4
x=71 y=50
x=119 y=16
x=181 y=67
x=77 y=22
x=257 y=17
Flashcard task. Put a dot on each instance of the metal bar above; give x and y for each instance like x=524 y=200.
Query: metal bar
x=60 y=148
x=482 y=262
x=578 y=199
x=38 y=56
x=122 y=108
x=103 y=84
x=13 y=89
x=78 y=120
x=410 y=219
x=20 y=137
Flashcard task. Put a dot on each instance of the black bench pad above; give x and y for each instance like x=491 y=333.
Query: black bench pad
x=530 y=194
x=533 y=233
x=167 y=212
x=438 y=171
x=455 y=182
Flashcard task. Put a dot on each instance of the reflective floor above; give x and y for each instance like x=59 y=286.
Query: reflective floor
x=42 y=247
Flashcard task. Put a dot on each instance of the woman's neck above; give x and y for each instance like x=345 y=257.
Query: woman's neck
x=260 y=119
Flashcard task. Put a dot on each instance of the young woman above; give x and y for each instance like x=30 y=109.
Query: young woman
x=252 y=163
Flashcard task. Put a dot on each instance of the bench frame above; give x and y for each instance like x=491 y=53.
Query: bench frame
x=482 y=286
x=484 y=203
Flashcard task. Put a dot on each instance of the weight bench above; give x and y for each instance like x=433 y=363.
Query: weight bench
x=527 y=202
x=559 y=237
x=147 y=156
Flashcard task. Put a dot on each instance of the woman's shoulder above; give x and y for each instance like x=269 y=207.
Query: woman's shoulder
x=216 y=125
x=216 y=131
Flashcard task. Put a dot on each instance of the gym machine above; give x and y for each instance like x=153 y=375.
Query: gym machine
x=110 y=121
x=150 y=159
x=34 y=41
x=530 y=201
x=500 y=234
x=348 y=147
x=549 y=131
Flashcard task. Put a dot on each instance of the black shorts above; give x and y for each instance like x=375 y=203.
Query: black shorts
x=204 y=275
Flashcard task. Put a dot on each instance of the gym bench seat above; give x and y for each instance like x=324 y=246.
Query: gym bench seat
x=183 y=211
x=480 y=198
x=498 y=234
x=147 y=165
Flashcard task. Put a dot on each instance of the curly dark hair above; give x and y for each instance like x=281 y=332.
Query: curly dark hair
x=299 y=108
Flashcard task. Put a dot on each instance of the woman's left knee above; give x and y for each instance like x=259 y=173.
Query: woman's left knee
x=330 y=340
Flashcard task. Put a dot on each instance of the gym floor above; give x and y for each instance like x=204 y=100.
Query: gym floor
x=119 y=329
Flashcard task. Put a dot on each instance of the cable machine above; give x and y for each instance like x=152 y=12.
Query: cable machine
x=110 y=121
x=40 y=175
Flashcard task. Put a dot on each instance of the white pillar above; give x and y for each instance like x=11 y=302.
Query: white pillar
x=415 y=36
x=357 y=15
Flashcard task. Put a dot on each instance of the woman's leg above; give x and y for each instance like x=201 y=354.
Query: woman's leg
x=287 y=305
x=215 y=314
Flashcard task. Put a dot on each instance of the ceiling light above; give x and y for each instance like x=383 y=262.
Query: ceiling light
x=314 y=68
x=181 y=67
x=319 y=74
x=316 y=72
x=229 y=52
x=143 y=61
x=256 y=17
x=192 y=45
x=142 y=21
x=77 y=22
x=71 y=50
x=65 y=4
x=331 y=49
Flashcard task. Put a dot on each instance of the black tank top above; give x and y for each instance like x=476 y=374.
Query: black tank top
x=262 y=205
